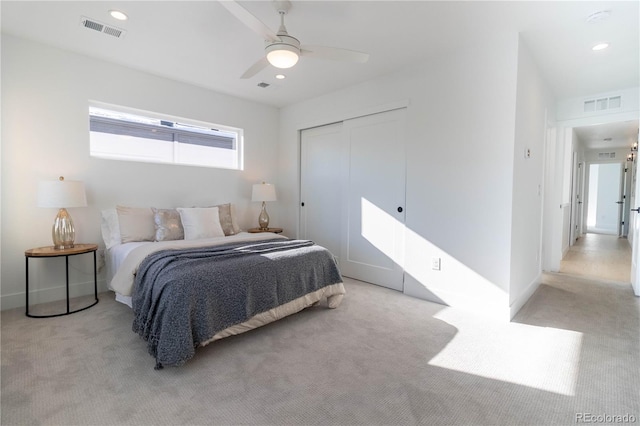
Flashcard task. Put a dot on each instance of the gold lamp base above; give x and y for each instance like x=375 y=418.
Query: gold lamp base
x=63 y=232
x=263 y=219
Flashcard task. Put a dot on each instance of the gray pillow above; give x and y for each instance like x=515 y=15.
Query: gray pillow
x=168 y=224
x=226 y=221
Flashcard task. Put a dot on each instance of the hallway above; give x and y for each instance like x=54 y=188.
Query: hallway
x=599 y=256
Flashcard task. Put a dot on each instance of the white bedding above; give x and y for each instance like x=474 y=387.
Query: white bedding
x=125 y=258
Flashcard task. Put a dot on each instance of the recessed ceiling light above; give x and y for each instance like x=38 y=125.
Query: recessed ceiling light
x=281 y=76
x=600 y=46
x=121 y=16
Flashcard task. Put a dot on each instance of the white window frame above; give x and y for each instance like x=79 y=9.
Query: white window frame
x=122 y=133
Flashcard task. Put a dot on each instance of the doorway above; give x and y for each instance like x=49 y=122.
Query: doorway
x=605 y=198
x=601 y=249
x=601 y=252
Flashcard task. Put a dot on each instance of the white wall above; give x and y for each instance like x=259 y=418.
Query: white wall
x=460 y=151
x=573 y=108
x=45 y=94
x=534 y=104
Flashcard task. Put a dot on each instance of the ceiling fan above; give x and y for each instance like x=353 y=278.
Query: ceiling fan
x=281 y=49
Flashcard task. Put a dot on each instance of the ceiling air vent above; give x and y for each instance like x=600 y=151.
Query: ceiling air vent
x=92 y=24
x=263 y=85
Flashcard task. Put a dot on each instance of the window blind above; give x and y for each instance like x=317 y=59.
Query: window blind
x=164 y=132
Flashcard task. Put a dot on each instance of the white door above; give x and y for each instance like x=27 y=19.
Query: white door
x=322 y=155
x=580 y=197
x=626 y=198
x=373 y=244
x=635 y=233
x=620 y=202
x=573 y=234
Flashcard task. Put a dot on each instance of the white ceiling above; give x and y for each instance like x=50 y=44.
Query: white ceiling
x=202 y=44
x=622 y=135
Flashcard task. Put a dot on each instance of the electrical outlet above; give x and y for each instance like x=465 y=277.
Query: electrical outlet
x=435 y=263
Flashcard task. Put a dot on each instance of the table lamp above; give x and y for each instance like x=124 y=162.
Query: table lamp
x=263 y=192
x=62 y=194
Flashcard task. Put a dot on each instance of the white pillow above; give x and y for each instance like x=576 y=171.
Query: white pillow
x=110 y=228
x=136 y=224
x=200 y=223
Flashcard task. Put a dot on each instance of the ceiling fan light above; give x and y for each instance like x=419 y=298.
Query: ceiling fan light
x=282 y=56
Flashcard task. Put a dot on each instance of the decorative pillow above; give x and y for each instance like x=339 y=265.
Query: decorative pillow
x=110 y=228
x=168 y=224
x=200 y=223
x=226 y=220
x=136 y=224
x=234 y=220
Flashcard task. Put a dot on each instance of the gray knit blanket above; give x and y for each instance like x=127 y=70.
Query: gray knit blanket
x=184 y=297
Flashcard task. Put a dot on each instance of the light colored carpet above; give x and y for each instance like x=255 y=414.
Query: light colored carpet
x=599 y=256
x=380 y=358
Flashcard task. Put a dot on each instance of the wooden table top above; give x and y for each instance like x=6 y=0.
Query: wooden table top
x=256 y=230
x=49 y=251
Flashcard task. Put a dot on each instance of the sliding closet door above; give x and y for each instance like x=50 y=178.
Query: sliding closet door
x=374 y=199
x=322 y=162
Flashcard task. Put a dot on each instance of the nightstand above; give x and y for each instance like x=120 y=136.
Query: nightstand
x=256 y=230
x=52 y=252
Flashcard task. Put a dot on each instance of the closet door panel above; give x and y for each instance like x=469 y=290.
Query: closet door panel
x=322 y=157
x=373 y=244
x=352 y=193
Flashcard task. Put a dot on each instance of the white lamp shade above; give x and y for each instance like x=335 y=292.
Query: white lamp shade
x=263 y=192
x=61 y=194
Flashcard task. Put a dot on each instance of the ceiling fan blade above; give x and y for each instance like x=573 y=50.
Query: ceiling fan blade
x=333 y=53
x=256 y=68
x=249 y=20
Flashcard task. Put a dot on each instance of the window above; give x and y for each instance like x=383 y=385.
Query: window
x=123 y=134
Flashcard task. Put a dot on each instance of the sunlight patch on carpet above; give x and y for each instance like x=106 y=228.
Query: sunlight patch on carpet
x=538 y=357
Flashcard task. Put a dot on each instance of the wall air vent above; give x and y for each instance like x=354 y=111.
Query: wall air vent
x=92 y=24
x=263 y=85
x=606 y=155
x=602 y=104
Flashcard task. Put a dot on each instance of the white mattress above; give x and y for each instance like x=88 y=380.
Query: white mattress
x=114 y=258
x=116 y=255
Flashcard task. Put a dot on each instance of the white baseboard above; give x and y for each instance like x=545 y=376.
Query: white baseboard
x=525 y=296
x=51 y=294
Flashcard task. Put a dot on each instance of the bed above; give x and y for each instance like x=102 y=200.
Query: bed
x=187 y=293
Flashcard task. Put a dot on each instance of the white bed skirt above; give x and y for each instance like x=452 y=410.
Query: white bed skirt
x=334 y=294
